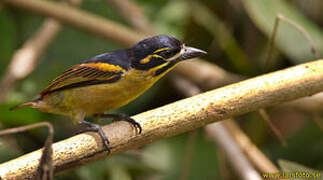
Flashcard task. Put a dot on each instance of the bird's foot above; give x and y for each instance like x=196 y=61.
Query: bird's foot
x=92 y=127
x=121 y=117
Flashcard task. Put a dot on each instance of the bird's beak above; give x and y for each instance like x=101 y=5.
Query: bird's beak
x=190 y=52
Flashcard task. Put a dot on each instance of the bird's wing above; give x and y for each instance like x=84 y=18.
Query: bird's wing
x=85 y=74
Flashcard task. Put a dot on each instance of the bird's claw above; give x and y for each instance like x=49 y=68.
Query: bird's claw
x=92 y=127
x=122 y=117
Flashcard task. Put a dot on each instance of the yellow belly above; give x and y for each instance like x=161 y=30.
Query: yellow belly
x=100 y=98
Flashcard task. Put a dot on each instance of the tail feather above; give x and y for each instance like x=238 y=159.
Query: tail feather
x=27 y=104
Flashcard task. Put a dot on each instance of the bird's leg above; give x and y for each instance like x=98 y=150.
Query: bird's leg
x=78 y=116
x=121 y=117
x=97 y=128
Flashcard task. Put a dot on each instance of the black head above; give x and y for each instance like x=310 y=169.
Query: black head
x=161 y=49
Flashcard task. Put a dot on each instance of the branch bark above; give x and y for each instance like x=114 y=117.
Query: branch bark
x=227 y=133
x=181 y=116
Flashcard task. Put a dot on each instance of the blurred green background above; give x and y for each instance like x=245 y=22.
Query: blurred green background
x=235 y=33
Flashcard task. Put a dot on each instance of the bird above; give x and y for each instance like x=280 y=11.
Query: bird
x=111 y=80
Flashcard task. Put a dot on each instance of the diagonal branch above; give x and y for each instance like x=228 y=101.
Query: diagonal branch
x=258 y=159
x=45 y=168
x=131 y=13
x=221 y=135
x=206 y=75
x=233 y=153
x=79 y=19
x=181 y=116
x=26 y=59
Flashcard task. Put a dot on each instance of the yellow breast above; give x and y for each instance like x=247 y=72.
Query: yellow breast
x=103 y=97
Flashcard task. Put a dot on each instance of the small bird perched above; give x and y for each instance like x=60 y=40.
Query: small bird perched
x=111 y=80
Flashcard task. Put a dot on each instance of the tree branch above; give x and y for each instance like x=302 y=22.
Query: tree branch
x=206 y=74
x=258 y=159
x=26 y=59
x=181 y=116
x=133 y=15
x=229 y=137
x=80 y=19
x=236 y=158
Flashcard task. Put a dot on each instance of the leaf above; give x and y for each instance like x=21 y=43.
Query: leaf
x=289 y=40
x=171 y=18
x=215 y=26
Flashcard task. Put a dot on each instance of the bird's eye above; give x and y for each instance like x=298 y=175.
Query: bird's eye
x=166 y=54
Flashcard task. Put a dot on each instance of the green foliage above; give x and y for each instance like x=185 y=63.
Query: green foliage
x=171 y=18
x=23 y=117
x=205 y=18
x=305 y=147
x=7 y=38
x=289 y=40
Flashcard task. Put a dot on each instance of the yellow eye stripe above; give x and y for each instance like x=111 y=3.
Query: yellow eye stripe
x=162 y=49
x=147 y=59
x=105 y=67
x=157 y=56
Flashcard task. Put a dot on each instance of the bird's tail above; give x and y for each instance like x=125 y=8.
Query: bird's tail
x=26 y=104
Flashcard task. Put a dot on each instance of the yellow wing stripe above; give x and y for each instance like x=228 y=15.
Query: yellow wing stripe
x=84 y=74
x=105 y=67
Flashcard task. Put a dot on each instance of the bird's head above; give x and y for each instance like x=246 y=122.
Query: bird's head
x=161 y=52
